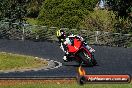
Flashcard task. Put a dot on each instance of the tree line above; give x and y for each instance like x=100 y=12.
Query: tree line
x=79 y=14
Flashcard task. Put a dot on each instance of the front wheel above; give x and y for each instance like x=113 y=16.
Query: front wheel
x=94 y=62
x=85 y=58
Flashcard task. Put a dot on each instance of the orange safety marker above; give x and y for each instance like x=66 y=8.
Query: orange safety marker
x=81 y=71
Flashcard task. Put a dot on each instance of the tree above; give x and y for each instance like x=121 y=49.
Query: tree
x=3 y=8
x=65 y=13
x=33 y=7
x=13 y=9
x=101 y=20
x=122 y=7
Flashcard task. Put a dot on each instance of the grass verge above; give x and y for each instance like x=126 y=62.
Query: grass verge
x=60 y=84
x=10 y=61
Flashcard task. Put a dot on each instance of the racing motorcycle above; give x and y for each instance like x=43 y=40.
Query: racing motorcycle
x=78 y=52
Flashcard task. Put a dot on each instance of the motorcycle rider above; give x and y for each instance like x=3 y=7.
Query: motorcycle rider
x=64 y=41
x=61 y=37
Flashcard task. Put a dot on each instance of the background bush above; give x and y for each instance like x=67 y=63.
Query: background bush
x=65 y=13
x=101 y=20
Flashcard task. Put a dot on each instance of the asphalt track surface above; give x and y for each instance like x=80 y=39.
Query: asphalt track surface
x=111 y=60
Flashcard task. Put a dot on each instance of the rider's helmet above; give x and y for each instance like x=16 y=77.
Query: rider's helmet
x=61 y=34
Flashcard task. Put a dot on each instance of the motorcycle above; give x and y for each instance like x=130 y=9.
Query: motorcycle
x=78 y=51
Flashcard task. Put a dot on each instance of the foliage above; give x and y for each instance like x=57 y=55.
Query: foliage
x=13 y=9
x=19 y=8
x=122 y=7
x=101 y=20
x=123 y=11
x=123 y=25
x=31 y=21
x=41 y=34
x=130 y=45
x=65 y=13
x=33 y=8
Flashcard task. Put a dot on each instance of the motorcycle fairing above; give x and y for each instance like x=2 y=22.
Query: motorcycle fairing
x=75 y=46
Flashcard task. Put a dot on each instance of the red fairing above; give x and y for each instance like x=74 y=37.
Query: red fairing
x=74 y=48
x=80 y=53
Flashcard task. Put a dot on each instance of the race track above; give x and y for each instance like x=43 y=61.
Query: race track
x=111 y=60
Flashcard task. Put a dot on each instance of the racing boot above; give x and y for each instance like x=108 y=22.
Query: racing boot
x=65 y=58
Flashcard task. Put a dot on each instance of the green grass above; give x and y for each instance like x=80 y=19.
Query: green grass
x=10 y=61
x=74 y=85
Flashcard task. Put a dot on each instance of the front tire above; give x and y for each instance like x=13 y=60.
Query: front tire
x=94 y=62
x=85 y=58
